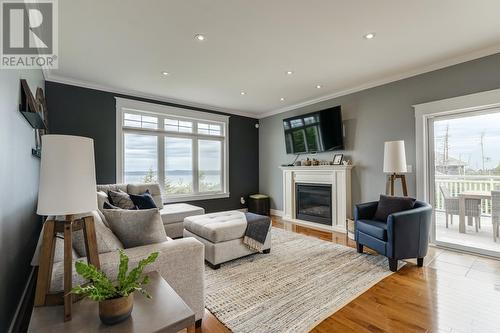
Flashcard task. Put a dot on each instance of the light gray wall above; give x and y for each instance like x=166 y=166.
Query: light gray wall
x=19 y=225
x=371 y=117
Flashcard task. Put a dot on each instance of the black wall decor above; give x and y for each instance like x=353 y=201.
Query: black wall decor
x=87 y=112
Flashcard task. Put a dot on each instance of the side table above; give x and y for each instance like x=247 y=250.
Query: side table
x=165 y=312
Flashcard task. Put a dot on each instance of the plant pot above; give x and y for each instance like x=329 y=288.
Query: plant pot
x=113 y=311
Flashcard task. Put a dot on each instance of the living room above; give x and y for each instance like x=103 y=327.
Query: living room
x=232 y=166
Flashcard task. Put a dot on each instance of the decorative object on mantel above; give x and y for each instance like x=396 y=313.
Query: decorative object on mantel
x=315 y=162
x=395 y=164
x=347 y=162
x=307 y=162
x=67 y=187
x=35 y=112
x=116 y=299
x=337 y=159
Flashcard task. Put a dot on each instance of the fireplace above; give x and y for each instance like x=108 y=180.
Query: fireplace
x=314 y=203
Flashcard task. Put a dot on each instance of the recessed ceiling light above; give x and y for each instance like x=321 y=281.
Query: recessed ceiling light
x=282 y=99
x=200 y=37
x=243 y=93
x=318 y=86
x=369 y=35
x=165 y=73
x=289 y=72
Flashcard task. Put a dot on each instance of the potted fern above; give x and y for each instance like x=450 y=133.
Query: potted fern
x=116 y=298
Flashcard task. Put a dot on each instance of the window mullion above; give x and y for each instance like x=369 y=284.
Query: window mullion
x=196 y=175
x=161 y=161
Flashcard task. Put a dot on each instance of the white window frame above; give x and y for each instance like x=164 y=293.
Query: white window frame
x=124 y=105
x=425 y=113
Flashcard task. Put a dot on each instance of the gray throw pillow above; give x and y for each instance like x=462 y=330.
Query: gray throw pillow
x=121 y=199
x=106 y=240
x=136 y=227
x=388 y=205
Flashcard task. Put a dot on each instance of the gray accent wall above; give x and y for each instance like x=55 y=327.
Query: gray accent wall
x=371 y=117
x=19 y=171
x=87 y=112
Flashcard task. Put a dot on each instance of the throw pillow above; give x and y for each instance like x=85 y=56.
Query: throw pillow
x=102 y=198
x=121 y=199
x=136 y=227
x=143 y=201
x=106 y=240
x=388 y=205
x=107 y=205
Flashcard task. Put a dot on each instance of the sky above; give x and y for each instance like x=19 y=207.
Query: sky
x=141 y=153
x=465 y=137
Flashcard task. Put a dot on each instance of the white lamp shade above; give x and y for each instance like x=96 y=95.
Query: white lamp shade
x=394 y=157
x=67 y=176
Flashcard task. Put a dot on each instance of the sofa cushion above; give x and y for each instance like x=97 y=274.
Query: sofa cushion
x=112 y=187
x=143 y=201
x=102 y=198
x=388 y=205
x=106 y=240
x=121 y=199
x=373 y=228
x=136 y=227
x=217 y=227
x=173 y=213
x=154 y=190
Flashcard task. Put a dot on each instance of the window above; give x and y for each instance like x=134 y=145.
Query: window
x=184 y=151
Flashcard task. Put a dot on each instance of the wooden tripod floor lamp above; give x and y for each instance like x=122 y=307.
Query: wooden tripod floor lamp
x=67 y=188
x=395 y=164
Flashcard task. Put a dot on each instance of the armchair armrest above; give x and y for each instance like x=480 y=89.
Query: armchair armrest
x=408 y=232
x=365 y=210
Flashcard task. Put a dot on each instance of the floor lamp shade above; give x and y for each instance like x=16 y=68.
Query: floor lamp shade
x=394 y=157
x=67 y=176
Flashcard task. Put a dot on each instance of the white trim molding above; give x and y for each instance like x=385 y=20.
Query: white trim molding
x=276 y=212
x=162 y=112
x=425 y=111
x=49 y=76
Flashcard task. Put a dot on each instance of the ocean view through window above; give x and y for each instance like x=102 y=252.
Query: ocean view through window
x=185 y=151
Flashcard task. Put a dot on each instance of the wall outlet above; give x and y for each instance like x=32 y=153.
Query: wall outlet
x=242 y=200
x=409 y=168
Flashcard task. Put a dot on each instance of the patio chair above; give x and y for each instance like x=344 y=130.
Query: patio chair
x=451 y=207
x=495 y=213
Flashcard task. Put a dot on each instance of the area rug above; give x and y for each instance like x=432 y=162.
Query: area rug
x=300 y=283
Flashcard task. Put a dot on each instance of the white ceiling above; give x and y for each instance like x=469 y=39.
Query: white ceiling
x=124 y=46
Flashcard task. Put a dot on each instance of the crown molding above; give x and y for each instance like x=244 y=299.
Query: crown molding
x=49 y=76
x=389 y=79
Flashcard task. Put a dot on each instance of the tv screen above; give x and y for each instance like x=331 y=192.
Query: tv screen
x=314 y=132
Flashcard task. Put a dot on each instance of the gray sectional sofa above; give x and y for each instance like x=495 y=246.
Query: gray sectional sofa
x=180 y=261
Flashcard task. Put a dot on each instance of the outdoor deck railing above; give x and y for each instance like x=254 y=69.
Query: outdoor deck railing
x=458 y=184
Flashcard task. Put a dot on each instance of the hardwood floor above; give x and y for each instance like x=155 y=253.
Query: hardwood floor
x=453 y=292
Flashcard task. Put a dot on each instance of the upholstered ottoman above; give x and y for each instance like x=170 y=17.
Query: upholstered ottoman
x=222 y=234
x=173 y=216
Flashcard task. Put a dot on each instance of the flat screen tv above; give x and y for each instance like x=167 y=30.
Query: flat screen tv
x=314 y=132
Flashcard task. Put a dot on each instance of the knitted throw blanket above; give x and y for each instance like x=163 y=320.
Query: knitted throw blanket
x=257 y=230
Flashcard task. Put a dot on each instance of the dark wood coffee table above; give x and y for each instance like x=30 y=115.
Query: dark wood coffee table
x=165 y=312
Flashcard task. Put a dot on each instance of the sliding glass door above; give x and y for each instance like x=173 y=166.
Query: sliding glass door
x=464 y=160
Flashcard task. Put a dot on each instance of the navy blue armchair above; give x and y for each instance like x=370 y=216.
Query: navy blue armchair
x=404 y=235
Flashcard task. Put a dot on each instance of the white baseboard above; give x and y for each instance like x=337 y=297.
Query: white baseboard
x=276 y=212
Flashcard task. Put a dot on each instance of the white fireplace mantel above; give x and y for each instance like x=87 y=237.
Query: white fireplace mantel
x=339 y=176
